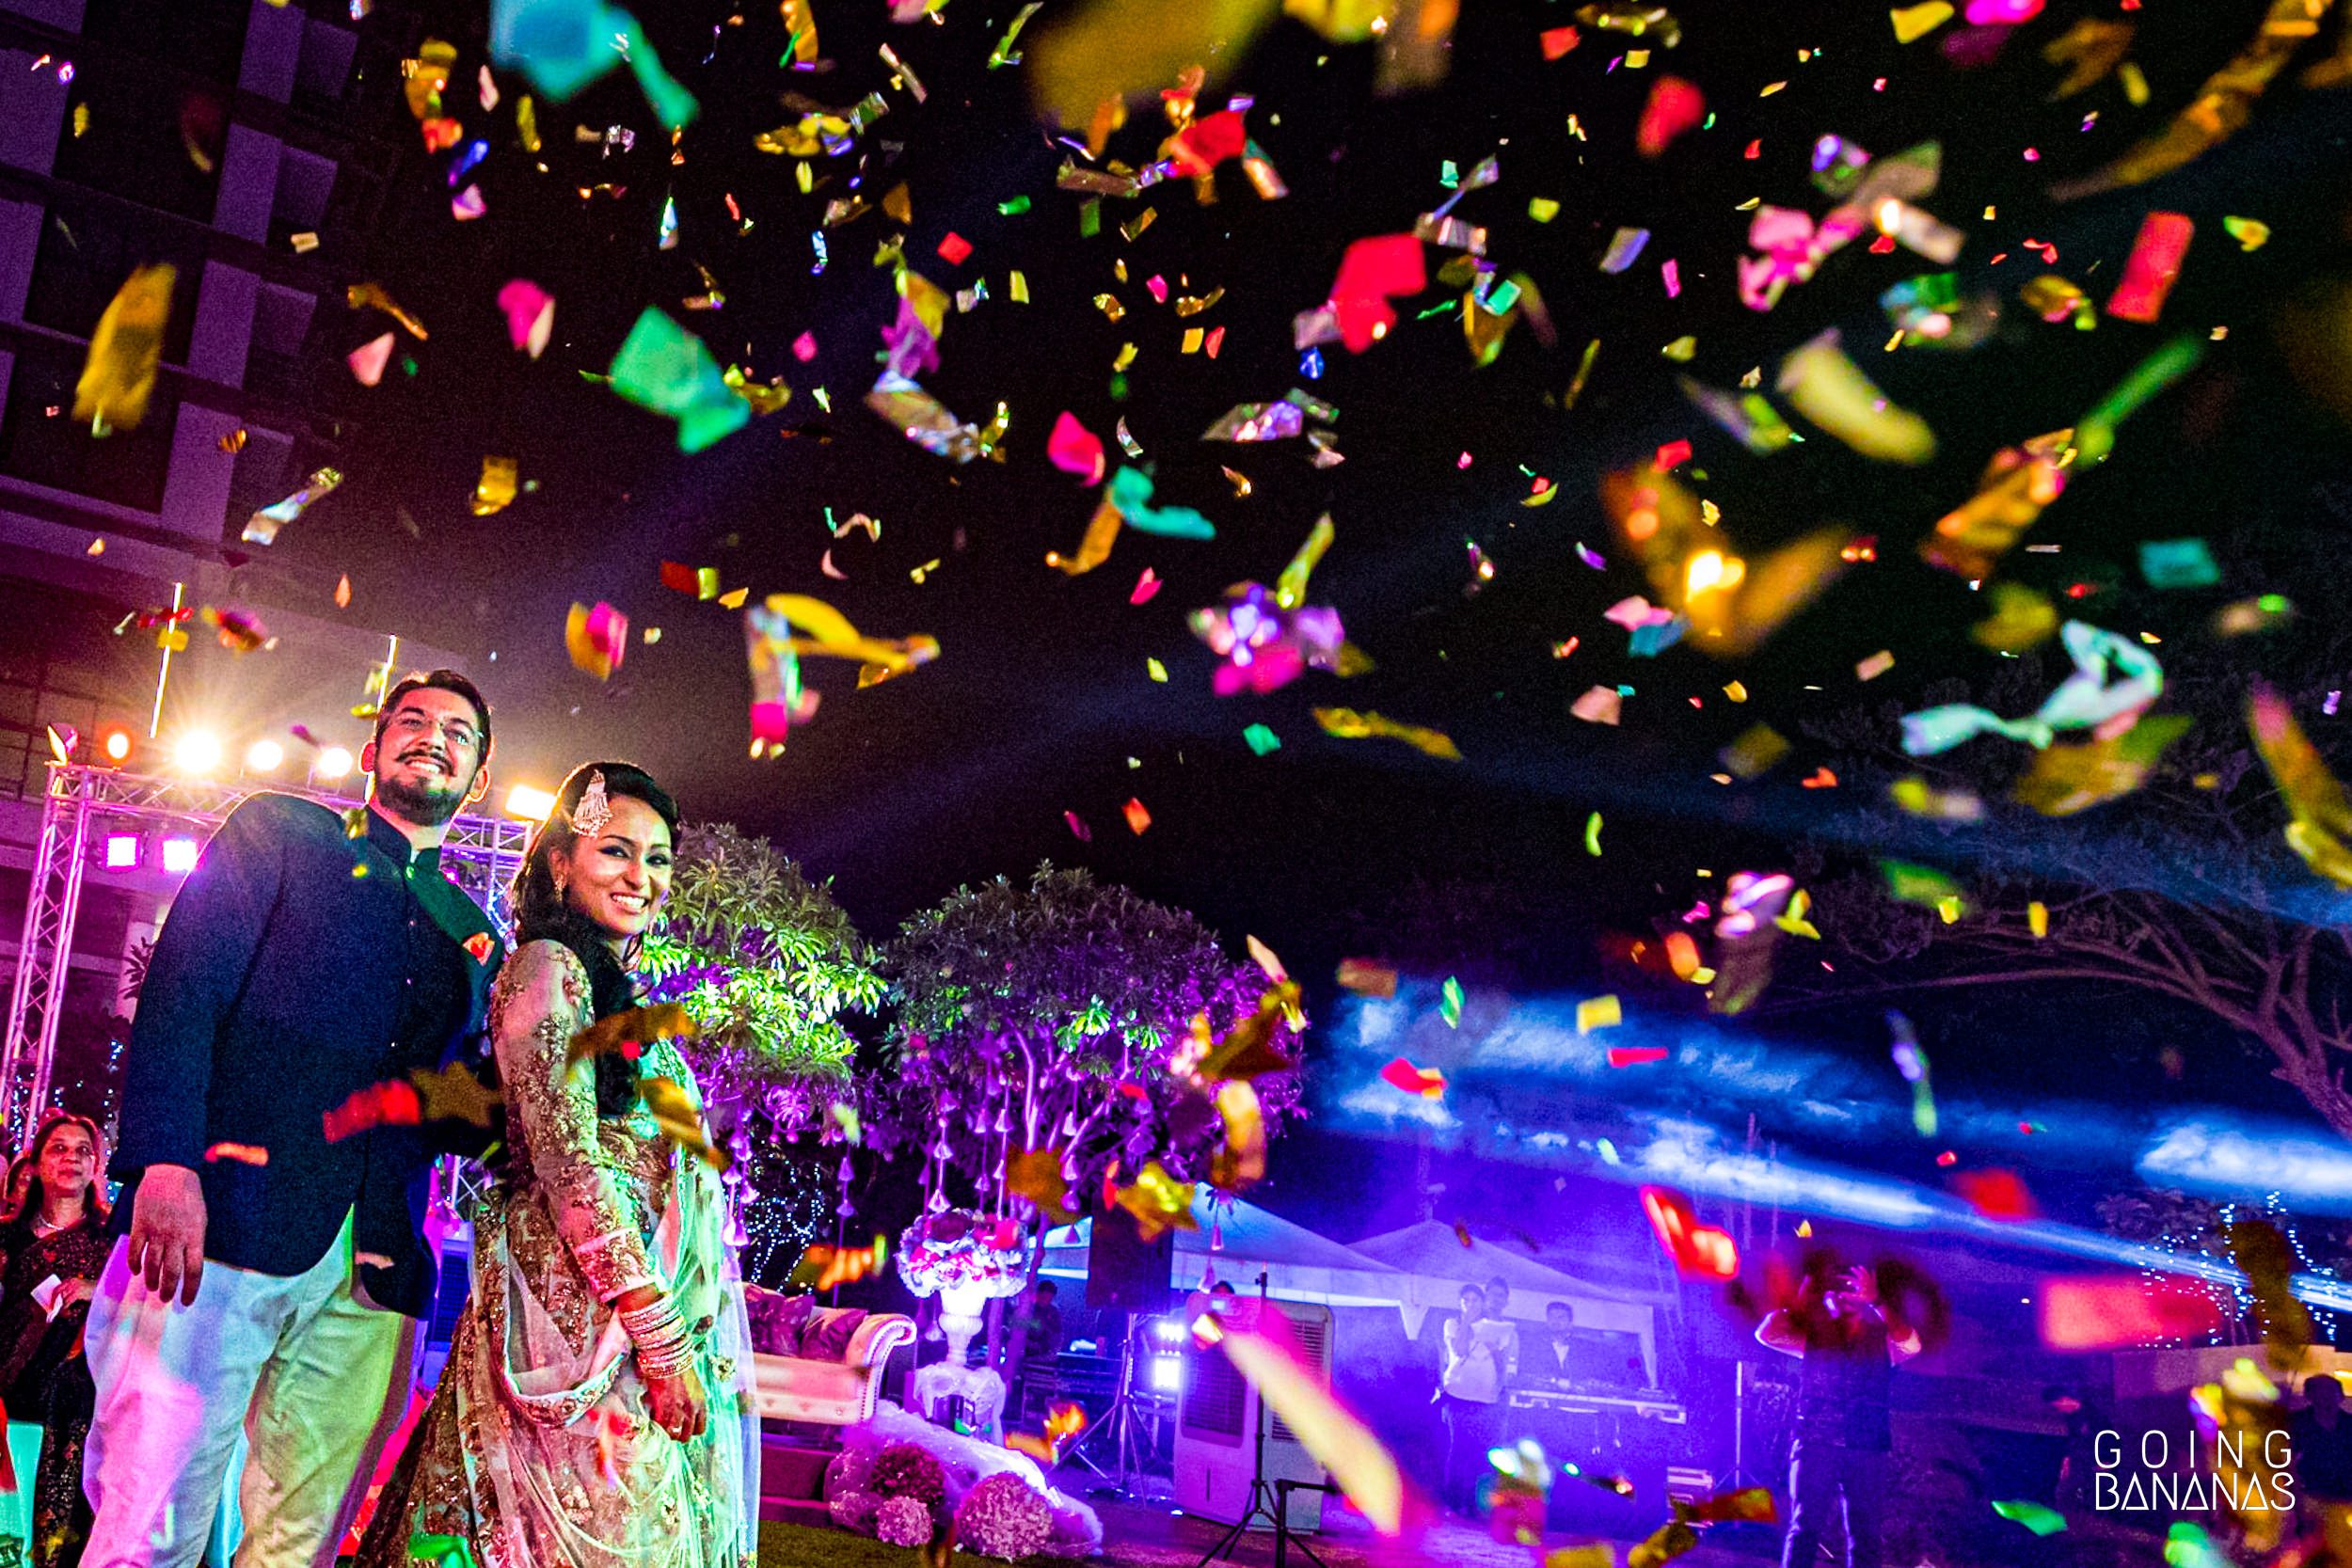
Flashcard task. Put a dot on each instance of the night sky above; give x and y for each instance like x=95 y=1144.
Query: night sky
x=1040 y=701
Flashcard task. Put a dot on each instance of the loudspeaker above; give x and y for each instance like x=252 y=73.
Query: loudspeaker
x=1123 y=1271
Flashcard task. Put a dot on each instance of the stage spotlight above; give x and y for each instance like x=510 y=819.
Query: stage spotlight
x=114 y=743
x=263 y=756
x=528 y=803
x=333 y=762
x=123 y=851
x=1169 y=1331
x=1167 y=1373
x=179 y=855
x=198 y=751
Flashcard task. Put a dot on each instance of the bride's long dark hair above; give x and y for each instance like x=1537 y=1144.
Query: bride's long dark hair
x=541 y=914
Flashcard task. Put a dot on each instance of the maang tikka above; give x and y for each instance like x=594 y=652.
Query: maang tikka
x=595 y=810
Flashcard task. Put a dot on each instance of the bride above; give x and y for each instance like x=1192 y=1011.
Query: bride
x=596 y=1409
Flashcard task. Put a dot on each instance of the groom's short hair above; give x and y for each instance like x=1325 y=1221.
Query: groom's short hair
x=436 y=680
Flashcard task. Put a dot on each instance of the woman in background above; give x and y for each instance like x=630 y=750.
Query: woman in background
x=20 y=1172
x=54 y=1249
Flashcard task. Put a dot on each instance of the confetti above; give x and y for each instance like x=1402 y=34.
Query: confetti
x=1138 y=817
x=1914 y=22
x=1158 y=1201
x=262 y=528
x=2152 y=267
x=663 y=367
x=1076 y=450
x=2033 y=1515
x=1675 y=106
x=595 y=638
x=370 y=360
x=625 y=1033
x=1827 y=387
x=2178 y=564
x=1349 y=724
x=2320 y=817
x=1367 y=978
x=563 y=45
x=494 y=490
x=118 y=375
x=530 y=315
x=1598 y=1012
x=1698 y=1251
x=2114 y=677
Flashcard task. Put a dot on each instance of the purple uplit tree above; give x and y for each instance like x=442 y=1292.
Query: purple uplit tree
x=1047 y=1019
x=766 y=962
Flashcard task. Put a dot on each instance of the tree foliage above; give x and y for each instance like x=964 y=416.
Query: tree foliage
x=767 y=964
x=1047 y=1018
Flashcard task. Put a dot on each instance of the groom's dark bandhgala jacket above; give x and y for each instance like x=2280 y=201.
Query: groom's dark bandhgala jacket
x=300 y=966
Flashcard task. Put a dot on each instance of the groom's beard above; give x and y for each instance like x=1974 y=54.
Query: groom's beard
x=425 y=808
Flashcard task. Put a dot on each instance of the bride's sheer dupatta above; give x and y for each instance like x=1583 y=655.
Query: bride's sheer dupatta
x=581 y=1465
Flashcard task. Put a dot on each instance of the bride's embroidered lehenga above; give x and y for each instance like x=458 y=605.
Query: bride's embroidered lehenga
x=538 y=1448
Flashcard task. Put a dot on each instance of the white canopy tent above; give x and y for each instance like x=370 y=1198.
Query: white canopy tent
x=1240 y=1241
x=1432 y=1264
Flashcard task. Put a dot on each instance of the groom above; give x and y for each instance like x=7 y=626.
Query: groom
x=270 y=1278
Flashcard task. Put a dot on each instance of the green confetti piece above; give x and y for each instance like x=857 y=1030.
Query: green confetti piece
x=665 y=368
x=1262 y=740
x=1090 y=217
x=1591 y=836
x=1450 y=1005
x=1014 y=208
x=1916 y=884
x=2041 y=1520
x=2178 y=564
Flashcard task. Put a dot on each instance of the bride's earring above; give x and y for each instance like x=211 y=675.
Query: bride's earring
x=559 y=886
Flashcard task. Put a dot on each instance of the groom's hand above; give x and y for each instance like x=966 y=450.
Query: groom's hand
x=167 y=1231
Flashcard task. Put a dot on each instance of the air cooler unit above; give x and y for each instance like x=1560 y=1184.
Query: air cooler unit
x=1217 y=1414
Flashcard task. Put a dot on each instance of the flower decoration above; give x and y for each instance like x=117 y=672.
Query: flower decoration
x=1003 y=1516
x=854 y=1510
x=903 y=1522
x=960 y=1250
x=906 y=1471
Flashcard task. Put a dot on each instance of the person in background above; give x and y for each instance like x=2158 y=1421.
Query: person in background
x=54 y=1249
x=2320 y=1438
x=1844 y=1449
x=1562 y=1359
x=1044 y=1325
x=20 y=1172
x=1506 y=1332
x=1039 y=1325
x=1470 y=1391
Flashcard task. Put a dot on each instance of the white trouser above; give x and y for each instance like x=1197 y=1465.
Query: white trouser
x=303 y=1365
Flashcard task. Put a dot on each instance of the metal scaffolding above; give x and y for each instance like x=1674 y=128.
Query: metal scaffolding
x=81 y=807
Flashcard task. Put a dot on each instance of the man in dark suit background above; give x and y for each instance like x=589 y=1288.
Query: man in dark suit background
x=271 y=1277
